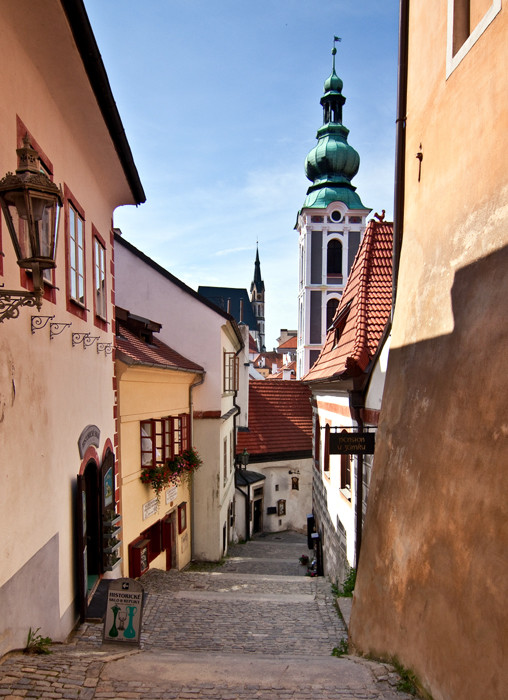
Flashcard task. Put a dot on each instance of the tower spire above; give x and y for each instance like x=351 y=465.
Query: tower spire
x=257 y=298
x=332 y=163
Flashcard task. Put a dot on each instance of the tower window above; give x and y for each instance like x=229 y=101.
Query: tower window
x=334 y=262
x=336 y=215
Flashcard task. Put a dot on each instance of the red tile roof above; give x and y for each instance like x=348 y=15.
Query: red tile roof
x=134 y=351
x=252 y=344
x=280 y=418
x=364 y=309
x=280 y=374
x=289 y=344
x=270 y=358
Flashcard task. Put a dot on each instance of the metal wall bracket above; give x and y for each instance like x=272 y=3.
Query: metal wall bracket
x=57 y=328
x=78 y=338
x=39 y=322
x=89 y=340
x=106 y=348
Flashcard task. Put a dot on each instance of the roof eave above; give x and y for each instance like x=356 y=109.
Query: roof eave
x=131 y=362
x=92 y=61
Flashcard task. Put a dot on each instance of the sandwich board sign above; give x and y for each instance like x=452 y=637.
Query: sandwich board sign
x=124 y=610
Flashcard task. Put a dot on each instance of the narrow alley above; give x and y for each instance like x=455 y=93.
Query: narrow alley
x=254 y=627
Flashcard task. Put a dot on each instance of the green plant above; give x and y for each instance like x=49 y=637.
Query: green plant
x=348 y=585
x=36 y=643
x=304 y=559
x=173 y=471
x=408 y=682
x=342 y=649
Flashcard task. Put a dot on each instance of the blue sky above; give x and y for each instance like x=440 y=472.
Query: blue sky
x=220 y=103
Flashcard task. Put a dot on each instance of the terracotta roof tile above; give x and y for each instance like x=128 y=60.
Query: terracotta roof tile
x=280 y=418
x=364 y=309
x=280 y=374
x=133 y=350
x=289 y=344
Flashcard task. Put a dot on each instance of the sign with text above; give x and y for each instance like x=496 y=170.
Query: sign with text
x=150 y=508
x=171 y=494
x=352 y=443
x=123 y=612
x=90 y=437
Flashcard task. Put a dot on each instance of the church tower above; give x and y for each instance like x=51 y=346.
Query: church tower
x=257 y=298
x=330 y=225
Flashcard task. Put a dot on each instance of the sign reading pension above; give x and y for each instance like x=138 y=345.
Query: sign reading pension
x=123 y=612
x=352 y=443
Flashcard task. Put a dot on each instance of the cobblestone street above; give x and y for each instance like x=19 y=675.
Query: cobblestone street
x=255 y=627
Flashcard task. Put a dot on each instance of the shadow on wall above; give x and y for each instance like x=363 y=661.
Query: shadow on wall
x=433 y=576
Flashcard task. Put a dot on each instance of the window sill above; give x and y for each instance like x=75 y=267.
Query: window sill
x=346 y=493
x=78 y=304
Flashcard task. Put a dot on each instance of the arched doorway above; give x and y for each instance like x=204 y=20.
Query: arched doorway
x=88 y=533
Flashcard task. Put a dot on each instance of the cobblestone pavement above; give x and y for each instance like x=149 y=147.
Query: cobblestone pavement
x=254 y=628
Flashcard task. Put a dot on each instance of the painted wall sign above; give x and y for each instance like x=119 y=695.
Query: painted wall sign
x=108 y=487
x=171 y=494
x=352 y=443
x=124 y=612
x=90 y=436
x=150 y=508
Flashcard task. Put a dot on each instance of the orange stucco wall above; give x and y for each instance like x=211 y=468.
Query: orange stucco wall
x=432 y=579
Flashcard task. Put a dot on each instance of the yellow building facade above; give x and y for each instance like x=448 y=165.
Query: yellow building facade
x=154 y=386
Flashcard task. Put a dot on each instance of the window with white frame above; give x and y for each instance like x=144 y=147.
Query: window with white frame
x=231 y=370
x=76 y=256
x=467 y=20
x=100 y=278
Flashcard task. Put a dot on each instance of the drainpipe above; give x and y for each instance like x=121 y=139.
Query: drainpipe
x=357 y=403
x=400 y=143
x=238 y=410
x=191 y=411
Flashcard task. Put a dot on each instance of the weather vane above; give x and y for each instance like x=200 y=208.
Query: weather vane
x=335 y=38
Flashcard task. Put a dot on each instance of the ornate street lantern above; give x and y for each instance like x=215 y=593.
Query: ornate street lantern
x=242 y=459
x=31 y=205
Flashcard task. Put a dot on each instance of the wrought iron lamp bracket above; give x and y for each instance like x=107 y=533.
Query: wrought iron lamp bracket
x=11 y=301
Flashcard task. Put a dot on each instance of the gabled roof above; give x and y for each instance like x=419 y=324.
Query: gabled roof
x=280 y=419
x=244 y=477
x=134 y=351
x=291 y=366
x=289 y=344
x=269 y=359
x=363 y=312
x=119 y=239
x=234 y=301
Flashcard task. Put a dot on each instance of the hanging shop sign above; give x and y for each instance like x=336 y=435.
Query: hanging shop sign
x=352 y=443
x=124 y=612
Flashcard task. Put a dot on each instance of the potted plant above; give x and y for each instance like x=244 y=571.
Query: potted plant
x=173 y=471
x=304 y=559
